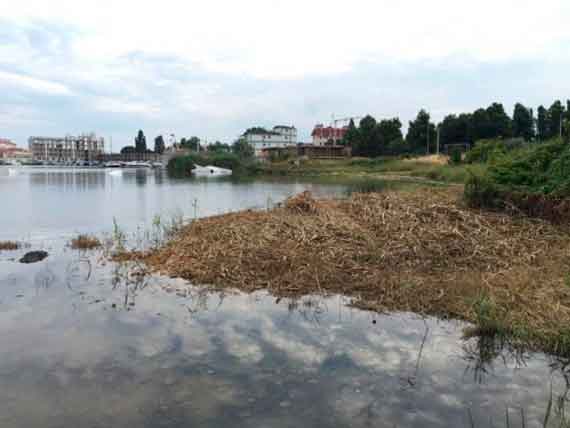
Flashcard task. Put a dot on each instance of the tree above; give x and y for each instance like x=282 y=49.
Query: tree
x=351 y=136
x=523 y=122
x=366 y=145
x=420 y=132
x=542 y=123
x=242 y=148
x=218 y=147
x=455 y=129
x=140 y=142
x=479 y=126
x=500 y=124
x=159 y=145
x=193 y=143
x=128 y=149
x=555 y=119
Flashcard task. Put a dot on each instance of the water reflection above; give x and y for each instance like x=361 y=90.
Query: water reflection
x=91 y=343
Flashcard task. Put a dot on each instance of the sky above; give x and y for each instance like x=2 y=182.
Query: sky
x=216 y=68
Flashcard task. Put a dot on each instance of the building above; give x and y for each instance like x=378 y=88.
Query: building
x=85 y=147
x=279 y=137
x=9 y=150
x=326 y=135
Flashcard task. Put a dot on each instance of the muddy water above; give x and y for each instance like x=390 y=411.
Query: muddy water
x=85 y=344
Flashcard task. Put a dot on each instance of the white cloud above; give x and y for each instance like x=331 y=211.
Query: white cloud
x=290 y=39
x=34 y=84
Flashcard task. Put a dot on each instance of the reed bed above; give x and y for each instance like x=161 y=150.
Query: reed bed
x=9 y=245
x=420 y=251
x=85 y=242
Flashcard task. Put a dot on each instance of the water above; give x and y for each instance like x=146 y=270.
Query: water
x=85 y=344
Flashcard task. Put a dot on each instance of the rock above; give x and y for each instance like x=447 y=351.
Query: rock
x=34 y=257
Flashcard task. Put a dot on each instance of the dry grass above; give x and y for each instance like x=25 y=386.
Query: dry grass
x=431 y=159
x=418 y=251
x=9 y=245
x=85 y=242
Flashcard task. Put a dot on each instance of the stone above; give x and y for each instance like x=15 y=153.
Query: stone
x=34 y=257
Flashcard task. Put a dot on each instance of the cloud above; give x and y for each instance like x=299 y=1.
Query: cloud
x=216 y=68
x=34 y=84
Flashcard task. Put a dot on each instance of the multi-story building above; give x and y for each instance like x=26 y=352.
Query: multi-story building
x=327 y=135
x=9 y=150
x=85 y=147
x=278 y=137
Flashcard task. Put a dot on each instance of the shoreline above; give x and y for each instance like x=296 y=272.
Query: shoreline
x=417 y=251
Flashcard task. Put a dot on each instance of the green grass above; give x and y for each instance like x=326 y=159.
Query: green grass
x=375 y=167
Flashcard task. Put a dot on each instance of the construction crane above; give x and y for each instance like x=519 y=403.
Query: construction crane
x=345 y=119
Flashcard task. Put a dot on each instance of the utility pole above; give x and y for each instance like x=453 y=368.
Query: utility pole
x=427 y=138
x=437 y=145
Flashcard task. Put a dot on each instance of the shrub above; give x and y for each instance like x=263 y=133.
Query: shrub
x=85 y=242
x=492 y=150
x=455 y=157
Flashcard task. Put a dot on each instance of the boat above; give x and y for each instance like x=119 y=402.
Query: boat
x=210 y=171
x=113 y=164
x=137 y=164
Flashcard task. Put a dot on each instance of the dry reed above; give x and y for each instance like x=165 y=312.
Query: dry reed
x=85 y=242
x=419 y=251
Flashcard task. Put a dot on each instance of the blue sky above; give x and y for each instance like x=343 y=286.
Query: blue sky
x=214 y=69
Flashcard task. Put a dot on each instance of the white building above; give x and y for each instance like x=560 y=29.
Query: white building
x=85 y=147
x=278 y=137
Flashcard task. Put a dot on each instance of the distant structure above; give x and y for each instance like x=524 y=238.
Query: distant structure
x=85 y=147
x=278 y=137
x=327 y=135
x=9 y=150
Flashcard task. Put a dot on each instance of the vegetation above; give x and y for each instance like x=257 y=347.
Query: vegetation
x=534 y=179
x=85 y=242
x=140 y=142
x=192 y=143
x=506 y=275
x=9 y=245
x=159 y=145
x=492 y=150
x=182 y=166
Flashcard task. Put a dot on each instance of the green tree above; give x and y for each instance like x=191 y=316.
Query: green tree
x=128 y=149
x=242 y=148
x=368 y=138
x=390 y=137
x=218 y=147
x=421 y=136
x=159 y=145
x=523 y=122
x=192 y=143
x=351 y=136
x=500 y=123
x=140 y=142
x=555 y=119
x=542 y=123
x=455 y=129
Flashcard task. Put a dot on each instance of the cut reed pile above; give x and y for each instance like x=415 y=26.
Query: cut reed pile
x=85 y=242
x=9 y=245
x=419 y=251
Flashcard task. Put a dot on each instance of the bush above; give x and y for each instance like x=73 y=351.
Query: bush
x=182 y=166
x=492 y=150
x=455 y=157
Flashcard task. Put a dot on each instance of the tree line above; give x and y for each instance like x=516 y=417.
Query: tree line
x=192 y=143
x=385 y=137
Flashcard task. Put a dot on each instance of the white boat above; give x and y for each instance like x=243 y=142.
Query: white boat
x=137 y=164
x=210 y=171
x=113 y=164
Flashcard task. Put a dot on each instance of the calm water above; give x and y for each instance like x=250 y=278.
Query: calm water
x=85 y=344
